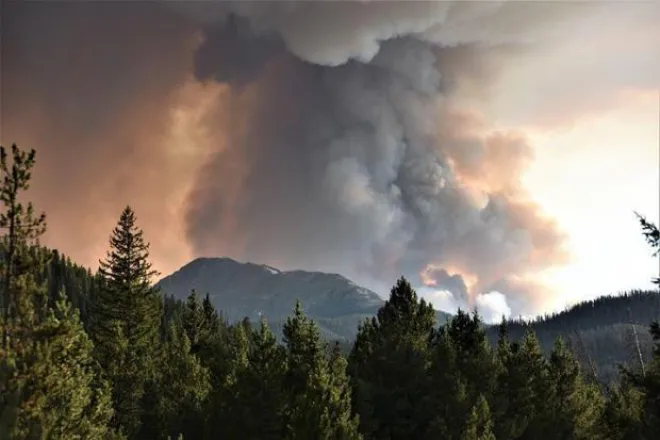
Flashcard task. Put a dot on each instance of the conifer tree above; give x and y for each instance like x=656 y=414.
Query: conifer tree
x=175 y=402
x=573 y=406
x=193 y=321
x=479 y=425
x=22 y=228
x=388 y=367
x=227 y=363
x=318 y=401
x=260 y=402
x=127 y=320
x=647 y=381
x=475 y=361
x=623 y=412
x=525 y=383
x=50 y=385
x=447 y=392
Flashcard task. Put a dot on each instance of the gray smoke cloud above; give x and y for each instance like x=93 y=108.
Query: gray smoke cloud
x=352 y=157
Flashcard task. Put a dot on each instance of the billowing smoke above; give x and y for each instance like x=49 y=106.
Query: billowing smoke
x=351 y=154
x=337 y=136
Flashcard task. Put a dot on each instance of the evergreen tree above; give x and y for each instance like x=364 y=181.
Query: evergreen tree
x=622 y=414
x=127 y=320
x=174 y=403
x=22 y=228
x=475 y=361
x=318 y=401
x=479 y=425
x=193 y=321
x=573 y=406
x=447 y=391
x=388 y=367
x=64 y=396
x=259 y=404
x=462 y=371
x=50 y=385
x=652 y=236
x=227 y=363
x=647 y=381
x=523 y=386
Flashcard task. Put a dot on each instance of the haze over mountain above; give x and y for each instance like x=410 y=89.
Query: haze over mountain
x=251 y=290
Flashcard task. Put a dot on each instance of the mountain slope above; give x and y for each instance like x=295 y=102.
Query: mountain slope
x=604 y=332
x=246 y=289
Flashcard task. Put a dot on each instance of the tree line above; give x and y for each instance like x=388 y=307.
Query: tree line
x=105 y=356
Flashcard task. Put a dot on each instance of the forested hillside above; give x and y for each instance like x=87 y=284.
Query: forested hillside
x=106 y=356
x=604 y=333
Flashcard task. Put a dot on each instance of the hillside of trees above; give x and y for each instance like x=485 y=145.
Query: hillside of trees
x=604 y=333
x=106 y=356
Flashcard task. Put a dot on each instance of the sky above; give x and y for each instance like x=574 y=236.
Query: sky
x=492 y=152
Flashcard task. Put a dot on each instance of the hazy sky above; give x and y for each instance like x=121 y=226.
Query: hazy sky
x=493 y=152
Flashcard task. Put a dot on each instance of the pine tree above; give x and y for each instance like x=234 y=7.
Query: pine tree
x=475 y=361
x=260 y=400
x=523 y=385
x=318 y=402
x=68 y=399
x=227 y=362
x=127 y=320
x=647 y=381
x=22 y=228
x=479 y=425
x=623 y=412
x=174 y=403
x=193 y=321
x=462 y=371
x=573 y=406
x=50 y=386
x=388 y=367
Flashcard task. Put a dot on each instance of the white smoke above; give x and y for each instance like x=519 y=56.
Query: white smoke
x=493 y=307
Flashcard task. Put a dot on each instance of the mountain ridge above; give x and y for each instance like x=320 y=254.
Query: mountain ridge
x=246 y=289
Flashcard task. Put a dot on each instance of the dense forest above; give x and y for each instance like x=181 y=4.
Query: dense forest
x=106 y=356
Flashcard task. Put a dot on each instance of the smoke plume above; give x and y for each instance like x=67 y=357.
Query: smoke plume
x=351 y=155
x=334 y=136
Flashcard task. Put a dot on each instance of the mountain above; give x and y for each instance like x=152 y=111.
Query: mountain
x=253 y=290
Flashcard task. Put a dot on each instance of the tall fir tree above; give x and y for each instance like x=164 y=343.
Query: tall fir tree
x=572 y=405
x=388 y=367
x=318 y=399
x=174 y=403
x=623 y=412
x=462 y=371
x=523 y=384
x=259 y=405
x=647 y=380
x=127 y=320
x=22 y=228
x=479 y=425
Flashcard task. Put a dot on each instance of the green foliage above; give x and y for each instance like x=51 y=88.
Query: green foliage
x=175 y=401
x=388 y=366
x=127 y=315
x=622 y=415
x=50 y=385
x=260 y=404
x=479 y=425
x=318 y=395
